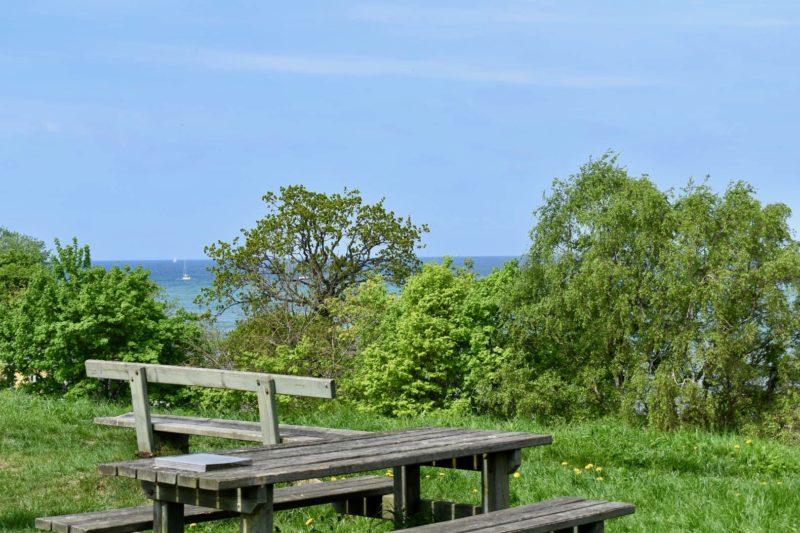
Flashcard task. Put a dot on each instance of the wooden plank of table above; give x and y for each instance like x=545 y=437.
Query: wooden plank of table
x=369 y=457
x=289 y=451
x=352 y=454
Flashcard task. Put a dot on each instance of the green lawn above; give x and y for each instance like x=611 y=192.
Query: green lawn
x=683 y=481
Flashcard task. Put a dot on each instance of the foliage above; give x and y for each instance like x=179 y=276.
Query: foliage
x=73 y=311
x=674 y=307
x=309 y=249
x=20 y=258
x=434 y=343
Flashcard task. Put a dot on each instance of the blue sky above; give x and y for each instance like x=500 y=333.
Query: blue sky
x=149 y=129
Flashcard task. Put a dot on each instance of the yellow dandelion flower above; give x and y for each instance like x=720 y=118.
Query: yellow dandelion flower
x=749 y=441
x=763 y=482
x=333 y=478
x=564 y=463
x=309 y=521
x=578 y=471
x=193 y=525
x=389 y=474
x=441 y=474
x=427 y=476
x=598 y=469
x=599 y=478
x=589 y=466
x=474 y=491
x=517 y=475
x=736 y=446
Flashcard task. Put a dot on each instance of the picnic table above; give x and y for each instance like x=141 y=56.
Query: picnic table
x=248 y=490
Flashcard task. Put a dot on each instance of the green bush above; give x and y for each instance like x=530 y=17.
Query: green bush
x=435 y=343
x=72 y=311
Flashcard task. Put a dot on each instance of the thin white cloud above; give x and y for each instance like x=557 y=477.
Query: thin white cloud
x=427 y=19
x=453 y=16
x=383 y=67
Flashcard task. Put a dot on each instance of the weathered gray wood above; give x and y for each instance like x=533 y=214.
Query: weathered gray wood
x=561 y=513
x=260 y=519
x=207 y=377
x=167 y=517
x=141 y=411
x=241 y=500
x=406 y=493
x=229 y=429
x=475 y=462
x=366 y=488
x=442 y=511
x=268 y=412
x=359 y=453
x=494 y=477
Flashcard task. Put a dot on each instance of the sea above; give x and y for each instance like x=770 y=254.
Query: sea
x=181 y=292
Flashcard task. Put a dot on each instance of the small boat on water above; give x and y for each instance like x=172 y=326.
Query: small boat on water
x=186 y=276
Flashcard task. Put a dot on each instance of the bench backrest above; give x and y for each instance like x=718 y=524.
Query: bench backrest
x=266 y=386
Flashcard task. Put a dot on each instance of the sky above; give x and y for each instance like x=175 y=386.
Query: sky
x=150 y=129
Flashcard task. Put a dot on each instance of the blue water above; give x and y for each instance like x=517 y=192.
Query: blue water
x=168 y=273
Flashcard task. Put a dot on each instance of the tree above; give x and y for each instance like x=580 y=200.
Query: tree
x=678 y=307
x=21 y=257
x=309 y=248
x=72 y=311
x=434 y=344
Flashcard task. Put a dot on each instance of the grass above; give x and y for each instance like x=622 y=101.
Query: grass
x=682 y=481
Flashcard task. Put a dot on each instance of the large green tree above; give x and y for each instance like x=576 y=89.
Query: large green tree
x=311 y=247
x=675 y=306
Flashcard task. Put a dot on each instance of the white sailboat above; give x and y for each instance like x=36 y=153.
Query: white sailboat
x=186 y=276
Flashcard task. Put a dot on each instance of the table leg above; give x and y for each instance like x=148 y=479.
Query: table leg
x=167 y=517
x=260 y=520
x=495 y=481
x=406 y=493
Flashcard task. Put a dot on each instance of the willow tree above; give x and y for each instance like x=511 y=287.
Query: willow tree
x=675 y=306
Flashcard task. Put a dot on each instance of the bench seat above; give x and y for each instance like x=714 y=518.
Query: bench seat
x=560 y=515
x=228 y=429
x=365 y=492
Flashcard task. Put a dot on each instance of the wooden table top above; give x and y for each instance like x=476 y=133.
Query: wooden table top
x=360 y=453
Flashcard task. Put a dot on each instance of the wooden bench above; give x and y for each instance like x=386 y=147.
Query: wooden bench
x=360 y=496
x=560 y=515
x=154 y=429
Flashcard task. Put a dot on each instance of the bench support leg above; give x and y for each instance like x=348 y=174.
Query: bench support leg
x=167 y=517
x=141 y=412
x=406 y=493
x=495 y=481
x=268 y=411
x=260 y=519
